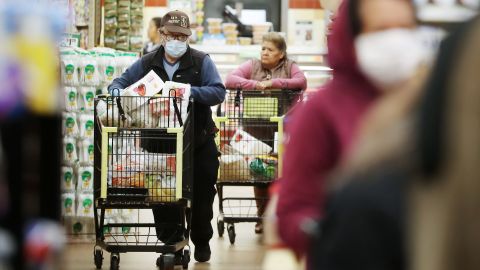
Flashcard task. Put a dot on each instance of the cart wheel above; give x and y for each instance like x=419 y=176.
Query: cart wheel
x=98 y=258
x=231 y=233
x=114 y=261
x=186 y=259
x=220 y=227
x=166 y=262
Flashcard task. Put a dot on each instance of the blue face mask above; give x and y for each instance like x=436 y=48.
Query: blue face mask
x=175 y=48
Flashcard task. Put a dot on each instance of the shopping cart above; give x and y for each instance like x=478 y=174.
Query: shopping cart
x=143 y=160
x=251 y=127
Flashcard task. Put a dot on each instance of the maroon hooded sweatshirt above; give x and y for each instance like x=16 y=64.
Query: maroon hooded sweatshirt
x=319 y=135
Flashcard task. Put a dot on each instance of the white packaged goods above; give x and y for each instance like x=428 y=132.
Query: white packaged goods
x=69 y=66
x=159 y=162
x=70 y=125
x=148 y=86
x=234 y=168
x=85 y=205
x=71 y=99
x=109 y=213
x=69 y=150
x=68 y=204
x=248 y=145
x=88 y=98
x=86 y=125
x=89 y=74
x=109 y=115
x=143 y=117
x=67 y=179
x=85 y=178
x=181 y=91
x=86 y=151
x=107 y=66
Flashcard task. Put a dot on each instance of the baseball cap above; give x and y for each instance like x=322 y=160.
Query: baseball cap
x=177 y=22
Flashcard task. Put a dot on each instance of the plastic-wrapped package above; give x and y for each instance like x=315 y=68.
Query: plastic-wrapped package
x=110 y=38
x=123 y=15
x=110 y=213
x=68 y=183
x=86 y=151
x=85 y=178
x=106 y=66
x=124 y=3
x=70 y=125
x=71 y=99
x=69 y=150
x=85 y=205
x=248 y=145
x=122 y=44
x=111 y=23
x=109 y=115
x=68 y=204
x=89 y=74
x=181 y=91
x=87 y=97
x=69 y=66
x=86 y=124
x=136 y=43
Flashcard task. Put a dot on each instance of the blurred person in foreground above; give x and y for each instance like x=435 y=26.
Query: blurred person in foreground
x=444 y=201
x=274 y=70
x=153 y=33
x=417 y=203
x=323 y=129
x=176 y=61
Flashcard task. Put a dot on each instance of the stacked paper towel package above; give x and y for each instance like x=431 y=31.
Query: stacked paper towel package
x=84 y=74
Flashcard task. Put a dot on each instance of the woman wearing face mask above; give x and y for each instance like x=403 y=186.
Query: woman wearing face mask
x=322 y=130
x=153 y=35
x=274 y=70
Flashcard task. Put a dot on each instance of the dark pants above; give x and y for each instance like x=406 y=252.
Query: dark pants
x=204 y=178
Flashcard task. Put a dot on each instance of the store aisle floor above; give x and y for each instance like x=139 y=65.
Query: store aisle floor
x=246 y=254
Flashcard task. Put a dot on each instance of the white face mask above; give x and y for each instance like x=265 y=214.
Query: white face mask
x=175 y=48
x=391 y=57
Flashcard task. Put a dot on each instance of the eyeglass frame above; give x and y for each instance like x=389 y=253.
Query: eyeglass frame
x=170 y=37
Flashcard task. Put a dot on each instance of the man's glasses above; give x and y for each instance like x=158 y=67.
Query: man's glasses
x=181 y=38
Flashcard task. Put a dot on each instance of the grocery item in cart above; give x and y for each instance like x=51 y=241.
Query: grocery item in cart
x=70 y=125
x=86 y=125
x=109 y=115
x=85 y=205
x=134 y=180
x=234 y=168
x=181 y=91
x=87 y=97
x=69 y=150
x=161 y=188
x=246 y=144
x=143 y=117
x=149 y=85
x=85 y=178
x=160 y=162
x=68 y=204
x=67 y=179
x=264 y=167
x=86 y=151
x=71 y=99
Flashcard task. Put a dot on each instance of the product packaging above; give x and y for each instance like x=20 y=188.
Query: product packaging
x=85 y=205
x=68 y=183
x=85 y=178
x=86 y=122
x=88 y=98
x=68 y=204
x=70 y=125
x=69 y=150
x=86 y=151
x=246 y=144
x=71 y=99
x=146 y=87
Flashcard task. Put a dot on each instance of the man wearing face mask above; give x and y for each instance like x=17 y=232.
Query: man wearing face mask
x=176 y=61
x=365 y=52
